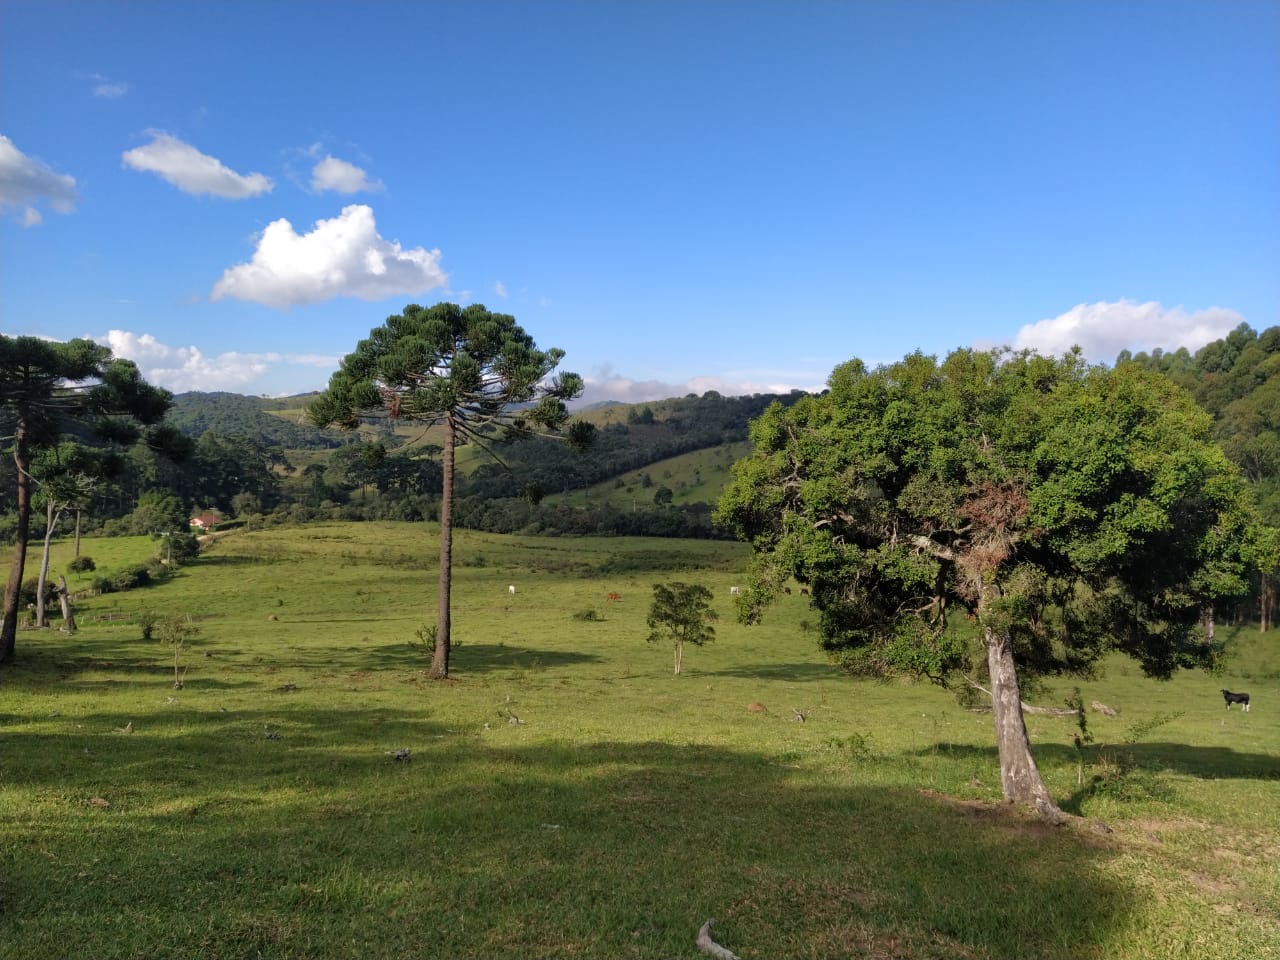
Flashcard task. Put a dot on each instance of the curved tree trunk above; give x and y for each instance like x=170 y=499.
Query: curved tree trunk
x=64 y=597
x=1019 y=775
x=13 y=587
x=440 y=656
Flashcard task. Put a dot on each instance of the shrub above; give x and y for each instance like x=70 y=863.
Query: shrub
x=27 y=594
x=127 y=579
x=588 y=616
x=81 y=565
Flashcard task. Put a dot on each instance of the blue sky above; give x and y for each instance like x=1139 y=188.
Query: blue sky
x=683 y=196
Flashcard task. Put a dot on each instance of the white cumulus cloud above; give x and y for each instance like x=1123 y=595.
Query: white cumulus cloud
x=26 y=181
x=341 y=177
x=181 y=369
x=191 y=171
x=342 y=257
x=1102 y=330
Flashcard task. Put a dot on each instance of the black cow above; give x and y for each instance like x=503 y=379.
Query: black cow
x=1240 y=698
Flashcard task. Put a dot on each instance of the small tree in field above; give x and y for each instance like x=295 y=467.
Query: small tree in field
x=681 y=613
x=177 y=630
x=475 y=374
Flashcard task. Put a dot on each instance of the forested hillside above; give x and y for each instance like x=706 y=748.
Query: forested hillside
x=1237 y=380
x=235 y=415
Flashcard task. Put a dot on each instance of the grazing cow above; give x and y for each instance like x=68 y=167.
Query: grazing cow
x=734 y=590
x=511 y=588
x=612 y=597
x=1240 y=698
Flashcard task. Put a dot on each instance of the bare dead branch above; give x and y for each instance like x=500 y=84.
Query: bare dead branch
x=1026 y=707
x=709 y=946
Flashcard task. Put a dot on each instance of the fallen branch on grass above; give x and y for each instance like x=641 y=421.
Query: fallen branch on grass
x=709 y=946
x=1026 y=707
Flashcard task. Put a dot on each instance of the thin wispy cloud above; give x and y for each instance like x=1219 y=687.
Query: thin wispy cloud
x=339 y=176
x=186 y=368
x=341 y=257
x=500 y=289
x=27 y=181
x=104 y=86
x=191 y=171
x=1103 y=329
x=605 y=384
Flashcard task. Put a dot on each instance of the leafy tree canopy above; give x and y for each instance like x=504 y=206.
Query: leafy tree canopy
x=49 y=390
x=1064 y=510
x=1073 y=508
x=681 y=613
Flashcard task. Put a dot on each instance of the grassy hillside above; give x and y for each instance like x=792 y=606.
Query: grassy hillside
x=697 y=477
x=565 y=795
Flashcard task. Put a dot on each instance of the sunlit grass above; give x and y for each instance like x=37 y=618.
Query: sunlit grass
x=567 y=796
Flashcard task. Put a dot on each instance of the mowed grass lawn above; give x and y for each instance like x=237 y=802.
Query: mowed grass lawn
x=567 y=796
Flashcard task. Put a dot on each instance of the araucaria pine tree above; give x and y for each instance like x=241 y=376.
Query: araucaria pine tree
x=475 y=374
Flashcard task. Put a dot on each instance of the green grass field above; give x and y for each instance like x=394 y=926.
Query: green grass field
x=696 y=477
x=259 y=811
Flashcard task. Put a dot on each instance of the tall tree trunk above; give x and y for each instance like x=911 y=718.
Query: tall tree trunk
x=64 y=597
x=13 y=587
x=679 y=649
x=1266 y=601
x=51 y=518
x=440 y=657
x=1019 y=775
x=77 y=534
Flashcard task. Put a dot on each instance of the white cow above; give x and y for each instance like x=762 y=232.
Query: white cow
x=511 y=589
x=734 y=590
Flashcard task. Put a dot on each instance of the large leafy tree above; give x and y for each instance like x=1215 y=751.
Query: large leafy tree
x=1063 y=510
x=475 y=374
x=49 y=390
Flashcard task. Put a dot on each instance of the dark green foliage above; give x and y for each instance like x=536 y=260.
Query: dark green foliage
x=158 y=512
x=433 y=365
x=681 y=426
x=178 y=547
x=50 y=391
x=520 y=516
x=1073 y=509
x=1237 y=380
x=244 y=418
x=129 y=578
x=28 y=592
x=81 y=565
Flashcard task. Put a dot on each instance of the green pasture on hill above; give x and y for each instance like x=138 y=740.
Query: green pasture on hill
x=696 y=477
x=566 y=796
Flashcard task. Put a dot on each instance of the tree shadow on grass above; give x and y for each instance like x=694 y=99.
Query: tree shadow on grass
x=1206 y=763
x=321 y=844
x=798 y=672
